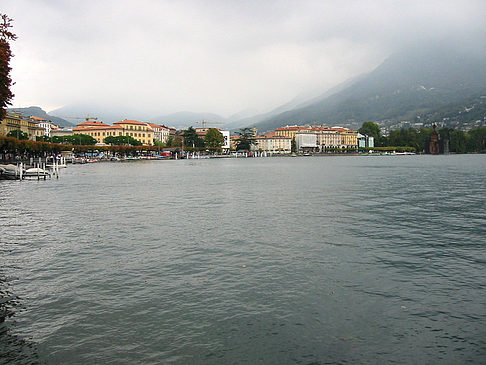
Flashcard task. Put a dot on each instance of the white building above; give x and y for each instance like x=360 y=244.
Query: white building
x=161 y=133
x=306 y=141
x=272 y=144
x=227 y=144
x=365 y=141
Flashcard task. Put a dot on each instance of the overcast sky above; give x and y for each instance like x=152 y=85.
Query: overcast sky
x=213 y=56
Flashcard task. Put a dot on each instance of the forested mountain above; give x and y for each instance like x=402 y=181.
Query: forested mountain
x=468 y=111
x=38 y=112
x=408 y=83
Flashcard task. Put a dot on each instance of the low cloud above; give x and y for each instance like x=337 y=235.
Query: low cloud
x=218 y=56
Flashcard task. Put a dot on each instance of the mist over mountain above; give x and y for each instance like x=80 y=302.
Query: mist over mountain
x=300 y=101
x=416 y=81
x=111 y=113
x=105 y=113
x=407 y=83
x=187 y=119
x=39 y=112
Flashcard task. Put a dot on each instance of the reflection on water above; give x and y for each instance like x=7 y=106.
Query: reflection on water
x=276 y=260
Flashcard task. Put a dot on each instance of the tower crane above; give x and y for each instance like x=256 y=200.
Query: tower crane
x=87 y=119
x=204 y=123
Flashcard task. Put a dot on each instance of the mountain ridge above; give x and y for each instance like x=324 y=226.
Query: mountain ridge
x=404 y=85
x=39 y=112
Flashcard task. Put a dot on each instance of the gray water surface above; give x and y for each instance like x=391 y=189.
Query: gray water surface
x=247 y=261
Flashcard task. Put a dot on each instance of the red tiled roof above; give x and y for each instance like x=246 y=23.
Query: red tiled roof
x=93 y=124
x=127 y=121
x=99 y=128
x=38 y=118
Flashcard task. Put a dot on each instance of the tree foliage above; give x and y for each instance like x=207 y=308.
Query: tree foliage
x=459 y=141
x=175 y=141
x=75 y=140
x=245 y=140
x=191 y=139
x=17 y=133
x=6 y=36
x=371 y=129
x=122 y=141
x=214 y=139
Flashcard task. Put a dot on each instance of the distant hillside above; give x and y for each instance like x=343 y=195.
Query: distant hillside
x=38 y=112
x=404 y=85
x=465 y=111
x=104 y=113
x=297 y=103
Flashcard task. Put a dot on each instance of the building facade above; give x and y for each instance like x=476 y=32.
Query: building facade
x=272 y=144
x=161 y=133
x=140 y=131
x=13 y=122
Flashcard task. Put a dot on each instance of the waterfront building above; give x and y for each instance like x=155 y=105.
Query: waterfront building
x=227 y=144
x=234 y=142
x=306 y=142
x=292 y=131
x=365 y=141
x=47 y=125
x=98 y=130
x=272 y=144
x=16 y=122
x=140 y=131
x=61 y=132
x=328 y=138
x=349 y=138
x=336 y=137
x=161 y=133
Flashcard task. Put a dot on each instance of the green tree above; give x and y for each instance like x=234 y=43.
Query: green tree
x=457 y=142
x=214 y=139
x=122 y=141
x=245 y=140
x=159 y=143
x=6 y=36
x=76 y=140
x=476 y=140
x=43 y=139
x=371 y=129
x=177 y=141
x=191 y=139
x=293 y=145
x=17 y=133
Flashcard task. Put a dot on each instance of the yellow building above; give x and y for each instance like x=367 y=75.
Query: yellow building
x=336 y=137
x=292 y=131
x=98 y=130
x=329 y=138
x=349 y=138
x=138 y=130
x=13 y=122
x=273 y=144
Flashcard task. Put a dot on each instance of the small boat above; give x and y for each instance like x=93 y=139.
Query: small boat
x=35 y=173
x=9 y=172
x=79 y=160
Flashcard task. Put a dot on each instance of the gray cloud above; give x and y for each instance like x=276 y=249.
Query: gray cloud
x=219 y=56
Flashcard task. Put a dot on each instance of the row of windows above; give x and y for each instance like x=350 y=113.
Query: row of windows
x=139 y=128
x=96 y=134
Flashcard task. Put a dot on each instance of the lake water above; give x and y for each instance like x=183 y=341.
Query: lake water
x=310 y=260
